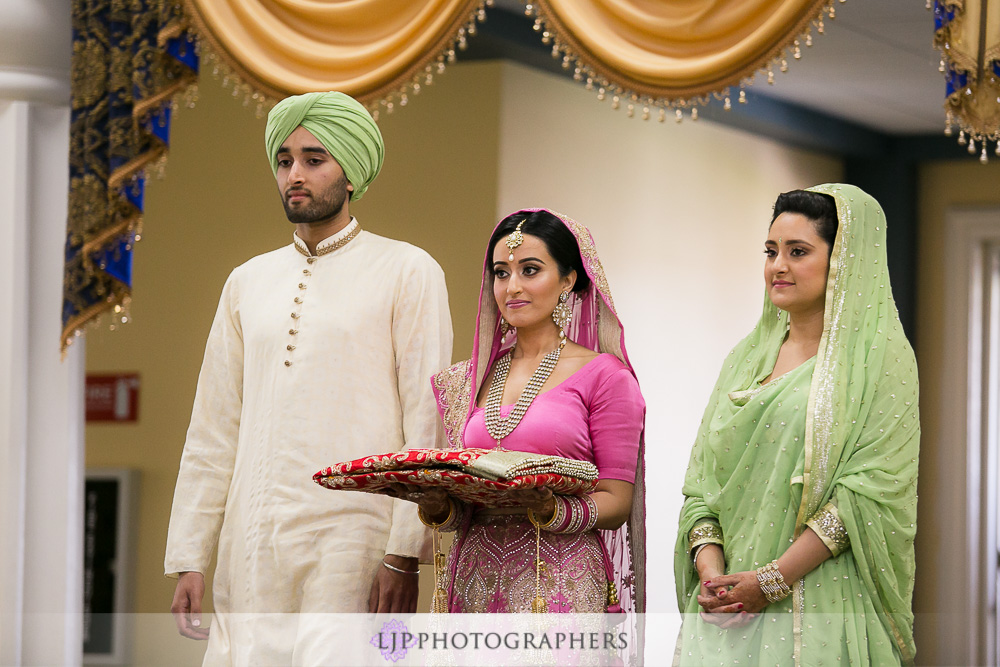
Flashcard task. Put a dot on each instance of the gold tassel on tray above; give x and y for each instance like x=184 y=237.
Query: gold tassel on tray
x=538 y=605
x=439 y=603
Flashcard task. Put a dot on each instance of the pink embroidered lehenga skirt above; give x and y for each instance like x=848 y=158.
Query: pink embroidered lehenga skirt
x=491 y=568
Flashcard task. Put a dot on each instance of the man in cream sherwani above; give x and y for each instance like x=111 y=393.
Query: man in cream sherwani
x=321 y=351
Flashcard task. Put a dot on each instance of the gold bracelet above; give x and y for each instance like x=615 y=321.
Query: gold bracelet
x=548 y=524
x=772 y=583
x=431 y=524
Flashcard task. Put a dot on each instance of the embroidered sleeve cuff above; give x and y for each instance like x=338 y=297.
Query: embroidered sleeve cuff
x=706 y=531
x=827 y=524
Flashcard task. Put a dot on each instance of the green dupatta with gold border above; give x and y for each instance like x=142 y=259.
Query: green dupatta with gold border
x=852 y=458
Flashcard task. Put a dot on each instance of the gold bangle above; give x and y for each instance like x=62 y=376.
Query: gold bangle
x=547 y=524
x=772 y=583
x=431 y=524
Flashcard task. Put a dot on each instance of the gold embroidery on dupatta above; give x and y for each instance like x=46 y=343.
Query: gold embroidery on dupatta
x=590 y=259
x=455 y=386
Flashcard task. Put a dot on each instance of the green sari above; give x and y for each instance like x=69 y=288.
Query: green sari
x=831 y=445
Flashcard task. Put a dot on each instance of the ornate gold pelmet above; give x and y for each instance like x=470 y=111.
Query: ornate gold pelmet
x=378 y=51
x=675 y=56
x=969 y=42
x=381 y=51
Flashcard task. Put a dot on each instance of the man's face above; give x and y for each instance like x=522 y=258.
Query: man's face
x=312 y=185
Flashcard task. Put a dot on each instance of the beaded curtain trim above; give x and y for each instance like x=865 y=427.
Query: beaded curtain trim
x=452 y=31
x=970 y=62
x=591 y=68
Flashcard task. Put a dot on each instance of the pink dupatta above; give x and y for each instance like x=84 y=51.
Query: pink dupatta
x=595 y=325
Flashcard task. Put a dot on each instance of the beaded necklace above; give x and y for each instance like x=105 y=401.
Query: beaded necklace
x=499 y=428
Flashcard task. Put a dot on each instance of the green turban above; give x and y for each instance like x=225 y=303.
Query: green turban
x=340 y=123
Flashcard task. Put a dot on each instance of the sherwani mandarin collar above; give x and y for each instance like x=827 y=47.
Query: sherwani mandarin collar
x=330 y=243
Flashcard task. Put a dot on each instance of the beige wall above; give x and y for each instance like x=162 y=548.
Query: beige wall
x=940 y=600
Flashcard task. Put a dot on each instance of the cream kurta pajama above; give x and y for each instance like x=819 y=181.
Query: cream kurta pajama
x=310 y=360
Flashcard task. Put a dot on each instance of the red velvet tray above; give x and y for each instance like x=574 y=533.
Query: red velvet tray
x=441 y=468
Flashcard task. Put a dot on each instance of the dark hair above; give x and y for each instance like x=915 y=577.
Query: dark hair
x=559 y=241
x=818 y=207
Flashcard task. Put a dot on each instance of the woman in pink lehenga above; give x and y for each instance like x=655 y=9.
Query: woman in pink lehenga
x=547 y=339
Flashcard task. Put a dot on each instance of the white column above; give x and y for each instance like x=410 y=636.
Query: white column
x=41 y=395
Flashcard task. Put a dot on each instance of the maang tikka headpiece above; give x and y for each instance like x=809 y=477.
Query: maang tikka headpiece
x=515 y=239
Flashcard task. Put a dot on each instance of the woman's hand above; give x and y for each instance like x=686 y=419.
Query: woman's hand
x=539 y=500
x=740 y=592
x=433 y=501
x=732 y=600
x=717 y=607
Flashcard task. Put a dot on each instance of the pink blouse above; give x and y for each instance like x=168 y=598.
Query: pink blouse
x=594 y=415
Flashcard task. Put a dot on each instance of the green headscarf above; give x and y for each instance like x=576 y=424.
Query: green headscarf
x=855 y=447
x=340 y=123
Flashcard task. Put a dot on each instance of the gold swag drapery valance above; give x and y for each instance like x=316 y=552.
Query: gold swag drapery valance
x=377 y=51
x=675 y=54
x=650 y=54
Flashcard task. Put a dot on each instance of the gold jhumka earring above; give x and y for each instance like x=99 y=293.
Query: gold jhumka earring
x=505 y=327
x=562 y=314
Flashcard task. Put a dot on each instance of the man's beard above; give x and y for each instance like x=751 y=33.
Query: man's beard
x=319 y=207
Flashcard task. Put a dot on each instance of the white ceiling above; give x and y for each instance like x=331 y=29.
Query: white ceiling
x=874 y=65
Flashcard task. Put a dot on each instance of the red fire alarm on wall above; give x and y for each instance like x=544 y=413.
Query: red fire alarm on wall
x=113 y=397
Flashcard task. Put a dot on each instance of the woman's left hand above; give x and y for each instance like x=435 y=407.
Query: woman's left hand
x=745 y=594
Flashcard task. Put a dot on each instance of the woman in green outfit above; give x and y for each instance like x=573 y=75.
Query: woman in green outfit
x=796 y=536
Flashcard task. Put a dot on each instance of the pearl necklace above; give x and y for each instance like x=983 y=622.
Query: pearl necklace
x=500 y=428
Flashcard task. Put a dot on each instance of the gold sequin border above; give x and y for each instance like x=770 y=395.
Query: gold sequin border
x=705 y=532
x=827 y=525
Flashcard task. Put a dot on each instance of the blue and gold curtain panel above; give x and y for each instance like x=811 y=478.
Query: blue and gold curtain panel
x=967 y=32
x=131 y=60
